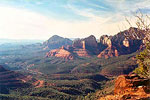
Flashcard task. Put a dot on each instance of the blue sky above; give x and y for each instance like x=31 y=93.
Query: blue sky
x=40 y=19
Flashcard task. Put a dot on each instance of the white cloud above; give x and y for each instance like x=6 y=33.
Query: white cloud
x=24 y=24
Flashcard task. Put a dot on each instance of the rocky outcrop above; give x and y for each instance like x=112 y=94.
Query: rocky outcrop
x=131 y=83
x=108 y=46
x=119 y=44
x=130 y=87
x=68 y=53
x=88 y=43
x=106 y=40
x=61 y=53
x=134 y=33
x=81 y=47
x=38 y=83
x=82 y=52
x=109 y=52
x=126 y=43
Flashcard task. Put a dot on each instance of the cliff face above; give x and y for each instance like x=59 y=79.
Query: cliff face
x=88 y=43
x=108 y=46
x=81 y=47
x=130 y=87
x=106 y=40
x=61 y=53
x=119 y=44
x=125 y=45
x=82 y=52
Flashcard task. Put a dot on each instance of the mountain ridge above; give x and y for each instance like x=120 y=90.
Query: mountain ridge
x=106 y=46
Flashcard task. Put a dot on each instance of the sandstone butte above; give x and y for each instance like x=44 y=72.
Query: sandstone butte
x=130 y=87
x=61 y=53
x=79 y=48
x=66 y=54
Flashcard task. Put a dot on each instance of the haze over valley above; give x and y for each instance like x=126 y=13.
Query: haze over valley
x=74 y=50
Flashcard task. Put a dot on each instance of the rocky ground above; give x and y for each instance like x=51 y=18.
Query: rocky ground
x=130 y=87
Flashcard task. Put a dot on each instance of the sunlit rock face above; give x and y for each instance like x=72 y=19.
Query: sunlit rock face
x=130 y=84
x=130 y=87
x=109 y=52
x=106 y=47
x=126 y=42
x=61 y=53
x=88 y=43
x=82 y=52
x=105 y=40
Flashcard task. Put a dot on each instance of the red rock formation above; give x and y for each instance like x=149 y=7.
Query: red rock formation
x=83 y=46
x=38 y=83
x=105 y=40
x=130 y=87
x=126 y=42
x=82 y=52
x=61 y=53
x=130 y=83
x=108 y=52
x=88 y=43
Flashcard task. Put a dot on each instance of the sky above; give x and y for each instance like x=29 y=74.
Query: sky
x=40 y=19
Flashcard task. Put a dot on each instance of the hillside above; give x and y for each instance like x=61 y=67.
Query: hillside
x=56 y=42
x=10 y=79
x=71 y=70
x=130 y=87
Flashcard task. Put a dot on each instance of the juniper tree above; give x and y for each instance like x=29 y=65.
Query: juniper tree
x=143 y=59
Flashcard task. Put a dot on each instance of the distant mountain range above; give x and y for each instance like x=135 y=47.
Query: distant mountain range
x=105 y=47
x=21 y=42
